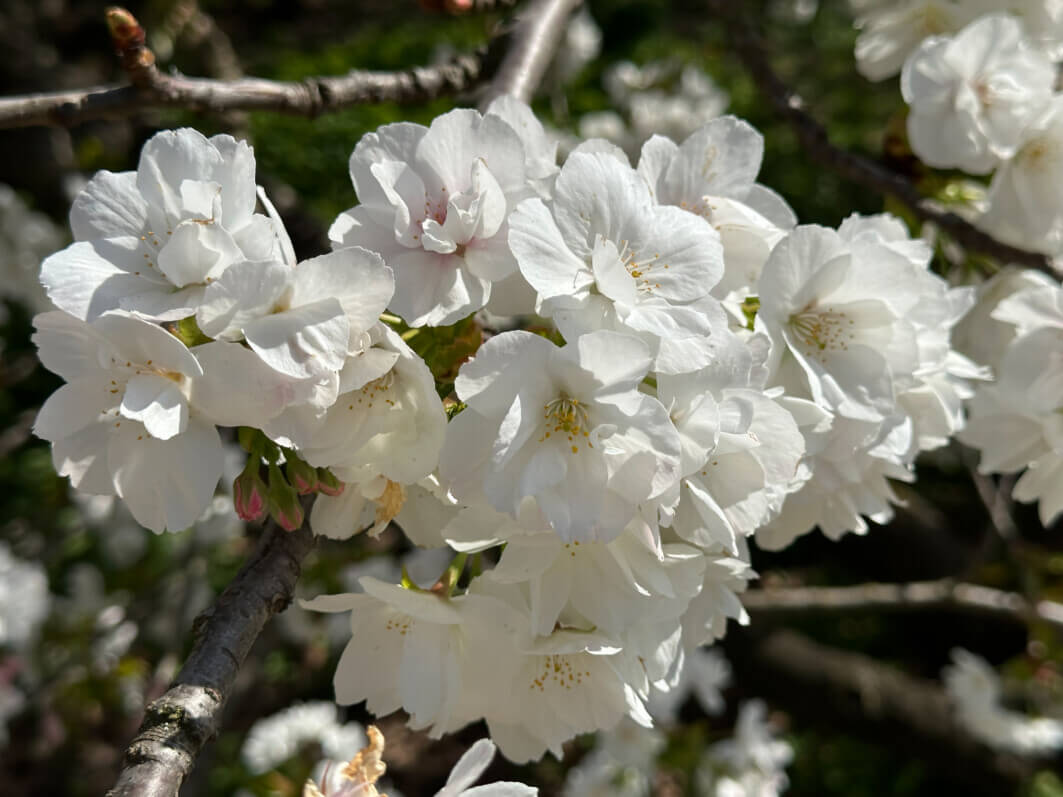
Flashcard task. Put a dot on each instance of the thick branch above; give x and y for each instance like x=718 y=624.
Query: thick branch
x=943 y=594
x=854 y=691
x=750 y=48
x=179 y=724
x=534 y=40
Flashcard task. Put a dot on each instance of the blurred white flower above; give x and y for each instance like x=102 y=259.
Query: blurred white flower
x=750 y=764
x=974 y=689
x=275 y=739
x=24 y=599
x=26 y=237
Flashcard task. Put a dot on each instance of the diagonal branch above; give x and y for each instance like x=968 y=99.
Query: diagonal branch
x=855 y=692
x=750 y=48
x=182 y=721
x=914 y=596
x=534 y=40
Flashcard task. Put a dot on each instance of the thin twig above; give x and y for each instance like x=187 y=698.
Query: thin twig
x=918 y=595
x=750 y=48
x=534 y=41
x=310 y=96
x=182 y=721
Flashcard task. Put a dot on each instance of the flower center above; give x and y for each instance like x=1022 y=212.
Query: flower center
x=376 y=391
x=558 y=672
x=640 y=270
x=822 y=330
x=566 y=416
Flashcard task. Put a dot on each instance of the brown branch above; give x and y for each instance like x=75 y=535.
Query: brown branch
x=919 y=595
x=310 y=96
x=854 y=692
x=750 y=48
x=533 y=42
x=182 y=721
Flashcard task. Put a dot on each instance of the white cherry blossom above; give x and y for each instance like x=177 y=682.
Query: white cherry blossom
x=741 y=451
x=1016 y=422
x=719 y=161
x=972 y=97
x=128 y=422
x=418 y=651
x=387 y=414
x=975 y=691
x=603 y=255
x=1024 y=207
x=150 y=241
x=434 y=203
x=705 y=619
x=302 y=320
x=839 y=308
x=554 y=687
x=850 y=465
x=560 y=436
x=609 y=586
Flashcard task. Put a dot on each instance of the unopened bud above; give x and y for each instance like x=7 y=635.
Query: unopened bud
x=249 y=492
x=327 y=483
x=284 y=504
x=124 y=28
x=301 y=476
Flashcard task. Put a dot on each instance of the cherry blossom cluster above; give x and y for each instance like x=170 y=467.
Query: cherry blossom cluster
x=181 y=309
x=979 y=78
x=981 y=87
x=671 y=366
x=711 y=371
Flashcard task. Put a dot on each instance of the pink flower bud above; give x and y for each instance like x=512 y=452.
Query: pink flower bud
x=327 y=483
x=249 y=493
x=301 y=476
x=288 y=514
x=284 y=504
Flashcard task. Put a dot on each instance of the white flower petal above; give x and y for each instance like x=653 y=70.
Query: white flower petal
x=166 y=483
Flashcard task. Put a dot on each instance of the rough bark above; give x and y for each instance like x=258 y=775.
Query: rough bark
x=177 y=725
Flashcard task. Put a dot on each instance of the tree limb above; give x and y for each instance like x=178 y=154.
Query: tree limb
x=942 y=594
x=179 y=724
x=749 y=47
x=851 y=690
x=534 y=39
x=310 y=96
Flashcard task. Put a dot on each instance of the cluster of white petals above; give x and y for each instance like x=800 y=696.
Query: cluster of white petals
x=434 y=201
x=182 y=309
x=750 y=764
x=702 y=370
x=980 y=79
x=1015 y=421
x=722 y=374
